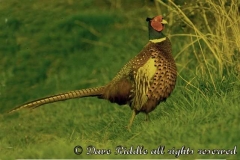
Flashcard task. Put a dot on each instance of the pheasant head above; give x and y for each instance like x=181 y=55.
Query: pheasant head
x=155 y=27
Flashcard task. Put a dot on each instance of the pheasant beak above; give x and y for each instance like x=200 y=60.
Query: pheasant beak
x=164 y=21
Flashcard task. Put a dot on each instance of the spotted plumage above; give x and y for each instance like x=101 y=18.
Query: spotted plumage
x=144 y=82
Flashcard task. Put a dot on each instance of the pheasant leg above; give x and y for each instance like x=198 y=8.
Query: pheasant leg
x=131 y=120
x=147 y=117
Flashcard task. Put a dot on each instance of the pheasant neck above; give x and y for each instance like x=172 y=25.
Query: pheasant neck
x=155 y=36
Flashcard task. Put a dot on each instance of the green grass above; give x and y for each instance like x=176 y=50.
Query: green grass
x=50 y=47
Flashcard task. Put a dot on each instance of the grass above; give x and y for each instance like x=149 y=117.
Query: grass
x=49 y=47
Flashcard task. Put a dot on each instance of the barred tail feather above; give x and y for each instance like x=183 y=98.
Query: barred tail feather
x=90 y=92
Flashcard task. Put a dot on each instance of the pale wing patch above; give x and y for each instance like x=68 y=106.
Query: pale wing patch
x=143 y=78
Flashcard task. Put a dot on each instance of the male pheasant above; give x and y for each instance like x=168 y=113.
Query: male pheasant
x=144 y=82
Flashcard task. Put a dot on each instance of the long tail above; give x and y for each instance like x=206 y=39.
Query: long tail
x=90 y=92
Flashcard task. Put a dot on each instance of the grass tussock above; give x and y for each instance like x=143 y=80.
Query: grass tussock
x=212 y=36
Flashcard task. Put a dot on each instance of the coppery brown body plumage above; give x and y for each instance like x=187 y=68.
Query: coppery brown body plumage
x=122 y=90
x=144 y=82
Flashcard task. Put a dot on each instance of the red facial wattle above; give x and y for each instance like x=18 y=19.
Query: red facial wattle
x=157 y=24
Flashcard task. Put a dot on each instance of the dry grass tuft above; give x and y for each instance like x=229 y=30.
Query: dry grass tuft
x=212 y=29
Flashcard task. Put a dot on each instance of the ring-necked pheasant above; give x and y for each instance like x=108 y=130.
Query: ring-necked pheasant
x=144 y=82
